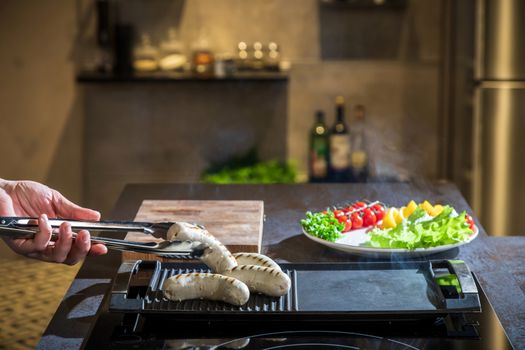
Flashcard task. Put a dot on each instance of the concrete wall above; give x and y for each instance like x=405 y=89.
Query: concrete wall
x=401 y=101
x=40 y=127
x=400 y=90
x=41 y=107
x=291 y=23
x=171 y=132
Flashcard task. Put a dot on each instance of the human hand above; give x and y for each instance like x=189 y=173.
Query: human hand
x=28 y=198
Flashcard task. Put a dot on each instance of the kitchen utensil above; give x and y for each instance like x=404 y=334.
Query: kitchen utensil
x=18 y=227
x=389 y=289
x=156 y=229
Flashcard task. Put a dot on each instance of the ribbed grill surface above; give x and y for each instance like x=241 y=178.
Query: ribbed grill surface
x=155 y=302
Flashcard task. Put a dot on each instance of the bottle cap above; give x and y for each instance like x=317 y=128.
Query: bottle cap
x=242 y=46
x=272 y=46
x=319 y=116
x=340 y=100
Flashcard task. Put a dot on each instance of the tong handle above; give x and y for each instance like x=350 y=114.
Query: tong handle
x=17 y=233
x=110 y=226
x=145 y=247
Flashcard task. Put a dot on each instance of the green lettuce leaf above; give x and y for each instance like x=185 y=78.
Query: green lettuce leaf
x=323 y=225
x=415 y=232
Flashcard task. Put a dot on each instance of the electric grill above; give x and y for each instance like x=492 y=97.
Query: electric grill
x=406 y=305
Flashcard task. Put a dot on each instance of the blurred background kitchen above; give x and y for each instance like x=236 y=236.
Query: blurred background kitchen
x=99 y=93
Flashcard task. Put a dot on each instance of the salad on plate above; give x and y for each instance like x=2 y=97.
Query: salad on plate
x=376 y=226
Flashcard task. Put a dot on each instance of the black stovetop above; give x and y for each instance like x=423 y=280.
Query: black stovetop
x=473 y=331
x=479 y=331
x=165 y=330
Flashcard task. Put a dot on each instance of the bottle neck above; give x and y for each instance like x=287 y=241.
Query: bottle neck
x=340 y=114
x=319 y=128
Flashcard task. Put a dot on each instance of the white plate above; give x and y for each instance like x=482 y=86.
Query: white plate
x=355 y=242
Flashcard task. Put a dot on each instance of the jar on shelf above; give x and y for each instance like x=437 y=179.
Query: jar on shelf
x=146 y=56
x=202 y=56
x=172 y=56
x=273 y=57
x=257 y=61
x=224 y=65
x=242 y=55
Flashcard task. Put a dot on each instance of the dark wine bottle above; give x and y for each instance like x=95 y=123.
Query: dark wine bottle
x=340 y=146
x=319 y=151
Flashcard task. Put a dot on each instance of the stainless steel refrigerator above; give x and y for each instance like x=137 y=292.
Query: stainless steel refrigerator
x=499 y=117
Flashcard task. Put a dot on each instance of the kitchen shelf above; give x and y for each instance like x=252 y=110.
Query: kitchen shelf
x=97 y=77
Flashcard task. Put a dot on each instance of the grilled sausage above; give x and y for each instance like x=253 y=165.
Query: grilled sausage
x=217 y=257
x=255 y=259
x=265 y=280
x=206 y=286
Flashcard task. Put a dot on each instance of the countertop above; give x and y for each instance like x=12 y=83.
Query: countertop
x=498 y=262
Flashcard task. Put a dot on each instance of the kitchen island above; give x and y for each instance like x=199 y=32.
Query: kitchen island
x=496 y=261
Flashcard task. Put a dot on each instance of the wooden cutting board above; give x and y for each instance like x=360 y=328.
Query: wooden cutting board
x=237 y=224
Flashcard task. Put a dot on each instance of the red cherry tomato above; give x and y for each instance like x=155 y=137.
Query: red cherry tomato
x=357 y=221
x=359 y=205
x=348 y=226
x=469 y=221
x=379 y=210
x=369 y=218
x=348 y=210
x=338 y=213
x=342 y=218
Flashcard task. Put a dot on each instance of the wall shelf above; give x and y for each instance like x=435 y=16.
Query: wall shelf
x=97 y=77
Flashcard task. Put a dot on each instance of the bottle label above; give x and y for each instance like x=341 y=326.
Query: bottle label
x=359 y=159
x=340 y=151
x=319 y=166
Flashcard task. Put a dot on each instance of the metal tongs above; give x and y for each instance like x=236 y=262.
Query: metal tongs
x=25 y=227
